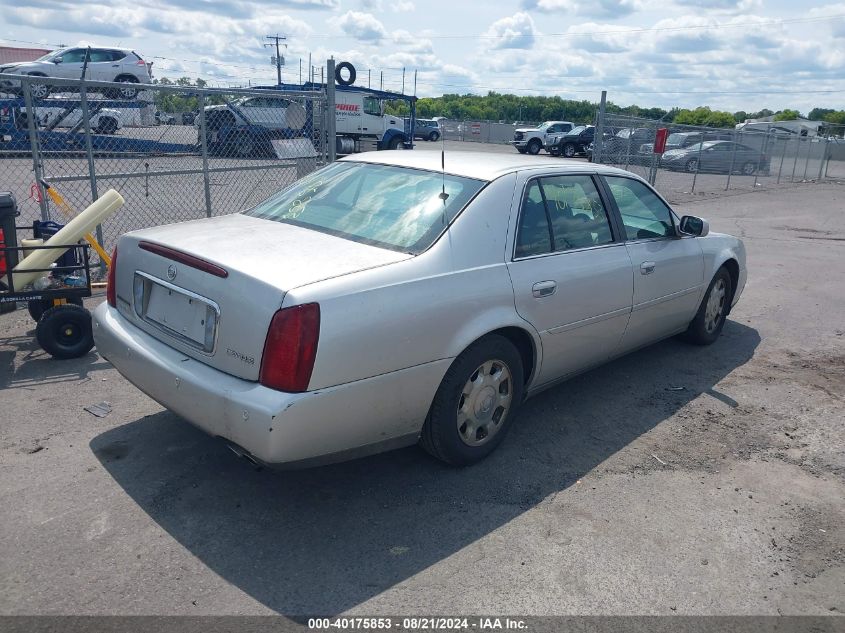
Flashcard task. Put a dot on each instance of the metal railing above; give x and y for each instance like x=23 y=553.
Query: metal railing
x=174 y=152
x=712 y=161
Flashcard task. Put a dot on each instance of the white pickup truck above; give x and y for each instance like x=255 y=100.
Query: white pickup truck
x=532 y=140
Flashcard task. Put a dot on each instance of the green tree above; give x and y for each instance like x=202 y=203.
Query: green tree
x=787 y=115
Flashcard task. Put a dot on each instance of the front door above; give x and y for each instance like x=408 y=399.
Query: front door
x=668 y=270
x=572 y=280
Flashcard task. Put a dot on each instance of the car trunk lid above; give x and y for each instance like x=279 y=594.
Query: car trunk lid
x=209 y=288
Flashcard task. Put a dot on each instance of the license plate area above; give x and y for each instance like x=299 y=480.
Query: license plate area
x=179 y=313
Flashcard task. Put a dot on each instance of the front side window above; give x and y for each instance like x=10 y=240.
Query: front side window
x=561 y=213
x=390 y=207
x=372 y=106
x=644 y=215
x=75 y=56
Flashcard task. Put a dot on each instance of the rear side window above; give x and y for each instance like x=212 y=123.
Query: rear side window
x=644 y=215
x=116 y=56
x=99 y=55
x=561 y=213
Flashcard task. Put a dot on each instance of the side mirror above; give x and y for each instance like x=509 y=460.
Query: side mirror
x=57 y=60
x=691 y=225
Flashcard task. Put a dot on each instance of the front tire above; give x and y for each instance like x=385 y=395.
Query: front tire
x=534 y=146
x=569 y=150
x=475 y=404
x=39 y=91
x=692 y=165
x=521 y=150
x=748 y=169
x=705 y=328
x=395 y=142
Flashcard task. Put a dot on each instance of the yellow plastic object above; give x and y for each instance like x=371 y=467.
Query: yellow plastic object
x=56 y=197
x=102 y=208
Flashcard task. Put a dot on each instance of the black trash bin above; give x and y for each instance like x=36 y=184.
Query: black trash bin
x=8 y=242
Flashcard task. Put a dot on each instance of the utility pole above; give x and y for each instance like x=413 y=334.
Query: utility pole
x=277 y=38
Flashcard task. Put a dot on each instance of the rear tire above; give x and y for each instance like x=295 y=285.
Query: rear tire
x=395 y=142
x=707 y=325
x=65 y=331
x=475 y=403
x=128 y=92
x=692 y=165
x=433 y=136
x=749 y=168
x=107 y=126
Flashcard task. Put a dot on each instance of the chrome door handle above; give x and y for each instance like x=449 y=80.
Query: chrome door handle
x=543 y=289
x=646 y=268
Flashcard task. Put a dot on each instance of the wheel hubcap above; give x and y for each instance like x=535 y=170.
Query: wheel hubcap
x=715 y=306
x=69 y=334
x=484 y=403
x=38 y=90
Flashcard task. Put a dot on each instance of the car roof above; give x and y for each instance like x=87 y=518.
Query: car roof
x=479 y=165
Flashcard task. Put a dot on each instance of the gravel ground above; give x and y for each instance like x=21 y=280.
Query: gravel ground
x=677 y=480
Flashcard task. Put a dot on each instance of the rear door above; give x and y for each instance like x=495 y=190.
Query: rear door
x=668 y=270
x=571 y=274
x=100 y=62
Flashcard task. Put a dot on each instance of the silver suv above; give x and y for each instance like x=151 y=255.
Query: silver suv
x=100 y=64
x=427 y=129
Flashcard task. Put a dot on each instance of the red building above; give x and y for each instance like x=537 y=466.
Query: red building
x=10 y=54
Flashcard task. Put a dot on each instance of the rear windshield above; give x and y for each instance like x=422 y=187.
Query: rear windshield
x=391 y=207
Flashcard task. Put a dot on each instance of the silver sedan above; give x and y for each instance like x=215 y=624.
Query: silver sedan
x=384 y=301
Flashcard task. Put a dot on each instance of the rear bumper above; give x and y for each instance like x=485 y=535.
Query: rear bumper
x=273 y=426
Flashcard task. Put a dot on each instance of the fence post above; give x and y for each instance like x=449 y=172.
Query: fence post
x=34 y=148
x=797 y=152
x=206 y=181
x=599 y=137
x=782 y=156
x=698 y=165
x=89 y=153
x=733 y=161
x=822 y=159
x=807 y=162
x=331 y=116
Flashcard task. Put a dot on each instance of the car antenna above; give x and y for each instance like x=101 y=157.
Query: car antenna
x=443 y=195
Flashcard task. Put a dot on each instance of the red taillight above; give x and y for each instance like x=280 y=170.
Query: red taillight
x=184 y=258
x=290 y=348
x=111 y=290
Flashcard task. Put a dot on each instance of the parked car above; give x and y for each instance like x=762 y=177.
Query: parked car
x=716 y=156
x=103 y=64
x=354 y=324
x=104 y=121
x=531 y=140
x=680 y=140
x=165 y=118
x=272 y=113
x=427 y=129
x=624 y=145
x=570 y=143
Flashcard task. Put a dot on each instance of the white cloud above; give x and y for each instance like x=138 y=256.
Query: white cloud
x=362 y=26
x=604 y=9
x=516 y=31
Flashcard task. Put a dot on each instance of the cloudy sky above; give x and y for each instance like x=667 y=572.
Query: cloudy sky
x=729 y=54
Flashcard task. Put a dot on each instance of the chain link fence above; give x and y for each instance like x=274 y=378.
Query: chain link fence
x=174 y=153
x=712 y=161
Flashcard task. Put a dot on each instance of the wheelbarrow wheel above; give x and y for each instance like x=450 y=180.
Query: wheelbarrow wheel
x=64 y=331
x=37 y=307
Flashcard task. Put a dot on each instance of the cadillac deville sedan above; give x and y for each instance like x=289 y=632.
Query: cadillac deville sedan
x=390 y=299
